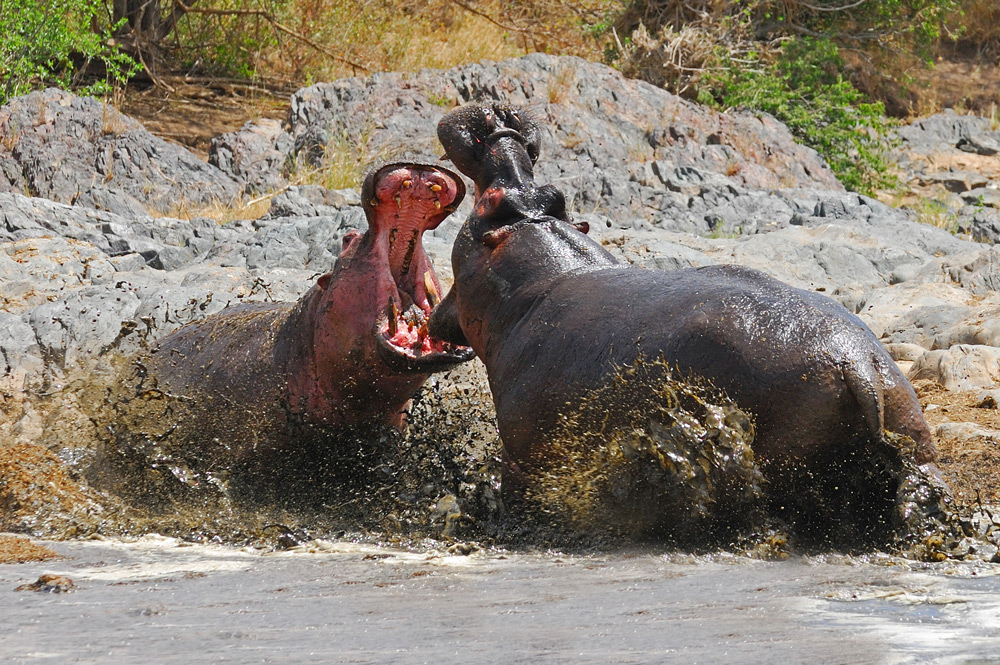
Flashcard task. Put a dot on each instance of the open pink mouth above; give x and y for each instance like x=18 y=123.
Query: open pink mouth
x=408 y=199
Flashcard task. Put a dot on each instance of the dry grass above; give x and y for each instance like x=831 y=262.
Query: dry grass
x=347 y=38
x=935 y=213
x=977 y=27
x=220 y=211
x=343 y=163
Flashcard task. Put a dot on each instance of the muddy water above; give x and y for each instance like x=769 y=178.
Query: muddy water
x=153 y=599
x=157 y=600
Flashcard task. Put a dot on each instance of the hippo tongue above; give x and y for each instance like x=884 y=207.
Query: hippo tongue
x=407 y=344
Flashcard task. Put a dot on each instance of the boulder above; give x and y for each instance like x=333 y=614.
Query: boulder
x=962 y=367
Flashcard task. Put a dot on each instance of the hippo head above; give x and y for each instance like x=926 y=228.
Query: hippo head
x=378 y=297
x=519 y=232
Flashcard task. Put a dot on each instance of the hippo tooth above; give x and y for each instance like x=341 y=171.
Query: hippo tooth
x=437 y=204
x=399 y=201
x=407 y=184
x=435 y=188
x=392 y=314
x=433 y=297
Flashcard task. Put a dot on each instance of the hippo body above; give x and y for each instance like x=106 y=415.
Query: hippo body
x=348 y=354
x=553 y=315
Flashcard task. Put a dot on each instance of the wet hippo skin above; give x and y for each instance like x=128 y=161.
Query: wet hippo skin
x=552 y=314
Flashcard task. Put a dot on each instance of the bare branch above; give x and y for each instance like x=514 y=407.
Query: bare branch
x=512 y=28
x=816 y=8
x=277 y=25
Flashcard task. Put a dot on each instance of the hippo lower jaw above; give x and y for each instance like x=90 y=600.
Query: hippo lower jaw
x=405 y=343
x=415 y=350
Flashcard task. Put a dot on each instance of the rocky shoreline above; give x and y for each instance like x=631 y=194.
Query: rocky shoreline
x=95 y=268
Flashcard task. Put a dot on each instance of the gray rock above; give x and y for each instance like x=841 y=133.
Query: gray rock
x=663 y=183
x=619 y=147
x=948 y=129
x=955 y=181
x=962 y=367
x=312 y=201
x=965 y=431
x=256 y=155
x=979 y=143
x=903 y=352
x=74 y=149
x=979 y=223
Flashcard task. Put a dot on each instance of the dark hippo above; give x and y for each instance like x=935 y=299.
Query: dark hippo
x=552 y=315
x=349 y=353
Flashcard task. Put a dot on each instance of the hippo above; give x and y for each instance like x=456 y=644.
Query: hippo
x=348 y=355
x=553 y=315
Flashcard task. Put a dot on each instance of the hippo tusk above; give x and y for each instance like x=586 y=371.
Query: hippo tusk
x=392 y=314
x=433 y=297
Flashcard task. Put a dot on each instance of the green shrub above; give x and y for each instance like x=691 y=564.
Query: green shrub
x=804 y=89
x=52 y=42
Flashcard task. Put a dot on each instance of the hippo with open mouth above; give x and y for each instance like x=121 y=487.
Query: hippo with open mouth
x=350 y=352
x=553 y=315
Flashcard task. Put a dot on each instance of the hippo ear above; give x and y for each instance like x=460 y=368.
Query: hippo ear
x=324 y=280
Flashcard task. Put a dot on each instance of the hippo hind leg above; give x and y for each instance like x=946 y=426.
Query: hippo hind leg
x=845 y=496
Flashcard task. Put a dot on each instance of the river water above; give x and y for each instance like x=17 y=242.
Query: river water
x=160 y=600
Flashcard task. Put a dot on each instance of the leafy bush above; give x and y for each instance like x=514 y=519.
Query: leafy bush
x=53 y=42
x=773 y=56
x=804 y=89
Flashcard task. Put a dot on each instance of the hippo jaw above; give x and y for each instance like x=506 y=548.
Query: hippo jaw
x=403 y=200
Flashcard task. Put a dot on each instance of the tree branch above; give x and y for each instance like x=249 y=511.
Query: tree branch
x=511 y=28
x=277 y=25
x=817 y=8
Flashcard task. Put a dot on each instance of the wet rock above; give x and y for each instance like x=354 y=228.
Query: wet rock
x=49 y=583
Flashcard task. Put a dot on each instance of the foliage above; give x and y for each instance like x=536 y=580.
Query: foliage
x=785 y=58
x=804 y=89
x=53 y=42
x=897 y=25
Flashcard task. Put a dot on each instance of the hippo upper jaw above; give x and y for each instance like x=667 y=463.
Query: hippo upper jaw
x=403 y=200
x=491 y=143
